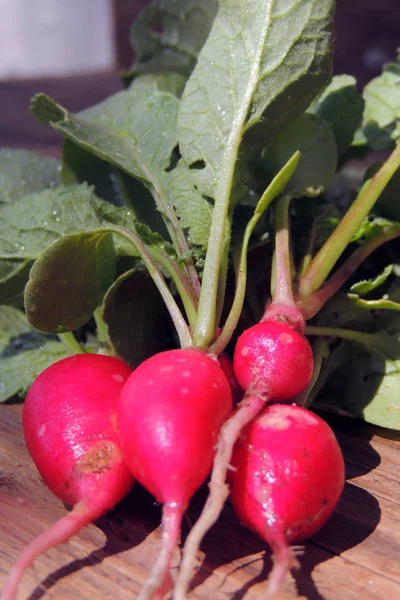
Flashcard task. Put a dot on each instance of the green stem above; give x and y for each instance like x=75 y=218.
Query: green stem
x=181 y=326
x=234 y=314
x=283 y=305
x=326 y=258
x=177 y=235
x=183 y=286
x=311 y=305
x=207 y=313
x=71 y=343
x=274 y=188
x=365 y=339
x=101 y=327
x=223 y=273
x=307 y=258
x=283 y=291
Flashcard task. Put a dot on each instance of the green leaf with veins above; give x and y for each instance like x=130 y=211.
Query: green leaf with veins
x=154 y=240
x=373 y=391
x=17 y=372
x=193 y=209
x=23 y=172
x=68 y=281
x=372 y=227
x=136 y=317
x=31 y=224
x=134 y=130
x=380 y=127
x=111 y=184
x=314 y=138
x=380 y=304
x=14 y=274
x=24 y=352
x=13 y=323
x=342 y=106
x=366 y=387
x=168 y=35
x=28 y=226
x=364 y=287
x=81 y=166
x=262 y=64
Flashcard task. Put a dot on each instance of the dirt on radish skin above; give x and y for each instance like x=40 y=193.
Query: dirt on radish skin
x=170 y=413
x=287 y=479
x=69 y=423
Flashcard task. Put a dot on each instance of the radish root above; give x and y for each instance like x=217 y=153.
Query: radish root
x=219 y=489
x=60 y=532
x=160 y=581
x=282 y=557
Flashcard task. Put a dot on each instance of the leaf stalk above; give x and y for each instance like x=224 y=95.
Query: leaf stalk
x=322 y=264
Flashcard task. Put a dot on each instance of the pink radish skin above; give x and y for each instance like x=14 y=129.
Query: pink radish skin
x=273 y=358
x=272 y=361
x=69 y=423
x=170 y=413
x=287 y=477
x=227 y=367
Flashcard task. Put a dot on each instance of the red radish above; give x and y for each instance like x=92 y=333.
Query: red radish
x=69 y=422
x=169 y=416
x=272 y=361
x=227 y=367
x=287 y=477
x=273 y=358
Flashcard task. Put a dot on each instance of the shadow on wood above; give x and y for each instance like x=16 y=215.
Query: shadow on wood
x=356 y=517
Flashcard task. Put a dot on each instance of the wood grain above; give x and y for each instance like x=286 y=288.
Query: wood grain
x=354 y=556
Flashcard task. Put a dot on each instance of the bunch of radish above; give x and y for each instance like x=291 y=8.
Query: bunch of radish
x=186 y=413
x=169 y=423
x=69 y=423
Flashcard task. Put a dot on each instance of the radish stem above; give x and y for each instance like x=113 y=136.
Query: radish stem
x=322 y=264
x=71 y=343
x=274 y=188
x=283 y=306
x=313 y=304
x=182 y=329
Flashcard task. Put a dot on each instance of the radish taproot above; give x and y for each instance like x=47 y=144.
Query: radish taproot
x=69 y=423
x=287 y=477
x=273 y=361
x=170 y=412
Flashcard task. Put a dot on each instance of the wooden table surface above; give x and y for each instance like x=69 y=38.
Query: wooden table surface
x=355 y=556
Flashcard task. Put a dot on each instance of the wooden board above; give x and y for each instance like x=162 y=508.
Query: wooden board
x=356 y=555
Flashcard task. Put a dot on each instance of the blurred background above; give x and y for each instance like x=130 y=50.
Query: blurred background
x=74 y=50
x=52 y=38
